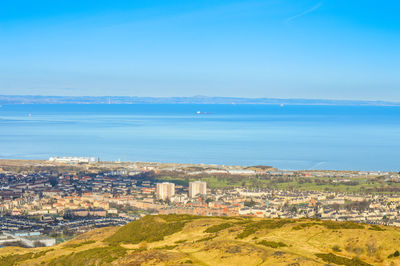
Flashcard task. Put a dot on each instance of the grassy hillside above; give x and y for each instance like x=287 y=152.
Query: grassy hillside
x=194 y=240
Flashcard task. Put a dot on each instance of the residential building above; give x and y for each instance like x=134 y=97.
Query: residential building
x=165 y=190
x=197 y=188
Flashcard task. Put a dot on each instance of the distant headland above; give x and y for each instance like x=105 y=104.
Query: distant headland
x=39 y=99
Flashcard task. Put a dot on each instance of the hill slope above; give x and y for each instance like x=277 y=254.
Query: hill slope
x=186 y=240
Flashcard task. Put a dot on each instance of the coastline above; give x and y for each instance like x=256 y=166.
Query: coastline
x=40 y=99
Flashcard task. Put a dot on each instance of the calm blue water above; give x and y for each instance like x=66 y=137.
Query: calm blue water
x=289 y=137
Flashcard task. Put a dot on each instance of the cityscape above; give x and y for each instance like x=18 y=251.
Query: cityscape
x=53 y=203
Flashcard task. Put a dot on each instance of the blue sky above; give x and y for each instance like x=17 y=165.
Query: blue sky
x=333 y=49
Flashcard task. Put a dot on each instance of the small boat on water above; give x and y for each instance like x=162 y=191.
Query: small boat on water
x=202 y=113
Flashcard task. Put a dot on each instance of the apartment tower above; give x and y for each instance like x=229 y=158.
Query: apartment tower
x=197 y=188
x=165 y=190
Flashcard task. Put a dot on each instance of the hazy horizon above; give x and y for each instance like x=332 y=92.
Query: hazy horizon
x=200 y=96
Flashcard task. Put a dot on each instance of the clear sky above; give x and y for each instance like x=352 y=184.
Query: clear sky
x=335 y=49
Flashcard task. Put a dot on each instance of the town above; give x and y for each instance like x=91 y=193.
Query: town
x=48 y=202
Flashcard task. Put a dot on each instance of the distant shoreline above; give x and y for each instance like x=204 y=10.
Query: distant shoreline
x=4 y=162
x=38 y=99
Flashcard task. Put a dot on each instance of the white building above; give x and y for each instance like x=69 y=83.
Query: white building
x=197 y=188
x=29 y=239
x=72 y=159
x=165 y=190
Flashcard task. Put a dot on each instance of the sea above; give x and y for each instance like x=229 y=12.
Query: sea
x=288 y=137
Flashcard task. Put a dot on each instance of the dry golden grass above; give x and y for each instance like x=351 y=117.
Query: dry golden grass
x=193 y=246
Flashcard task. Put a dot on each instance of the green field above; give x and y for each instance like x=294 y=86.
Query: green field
x=356 y=185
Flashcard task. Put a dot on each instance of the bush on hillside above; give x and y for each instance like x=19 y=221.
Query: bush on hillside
x=304 y=225
x=166 y=247
x=218 y=227
x=395 y=254
x=148 y=229
x=332 y=258
x=376 y=228
x=206 y=238
x=94 y=256
x=179 y=217
x=80 y=244
x=253 y=227
x=330 y=225
x=336 y=248
x=342 y=225
x=15 y=259
x=272 y=244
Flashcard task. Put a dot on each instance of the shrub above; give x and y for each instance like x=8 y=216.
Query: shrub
x=94 y=256
x=395 y=254
x=41 y=253
x=336 y=248
x=272 y=244
x=304 y=225
x=167 y=247
x=253 y=227
x=331 y=225
x=147 y=229
x=332 y=258
x=218 y=227
x=206 y=238
x=376 y=228
x=80 y=244
x=342 y=225
x=179 y=217
x=246 y=232
x=14 y=259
